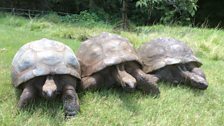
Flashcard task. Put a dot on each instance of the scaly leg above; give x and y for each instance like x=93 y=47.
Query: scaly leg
x=145 y=82
x=70 y=100
x=92 y=82
x=69 y=95
x=27 y=95
x=122 y=77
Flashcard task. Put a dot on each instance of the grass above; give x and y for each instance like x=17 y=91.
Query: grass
x=177 y=105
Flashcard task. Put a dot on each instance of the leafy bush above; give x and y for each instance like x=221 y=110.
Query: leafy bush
x=168 y=11
x=89 y=18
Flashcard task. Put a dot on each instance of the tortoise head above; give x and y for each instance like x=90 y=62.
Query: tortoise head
x=49 y=88
x=194 y=76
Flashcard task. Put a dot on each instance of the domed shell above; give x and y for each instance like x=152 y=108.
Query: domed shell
x=104 y=50
x=165 y=51
x=43 y=57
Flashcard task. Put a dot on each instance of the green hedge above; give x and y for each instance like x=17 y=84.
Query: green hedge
x=139 y=11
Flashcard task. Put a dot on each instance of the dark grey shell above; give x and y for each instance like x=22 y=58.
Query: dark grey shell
x=43 y=57
x=165 y=51
x=104 y=50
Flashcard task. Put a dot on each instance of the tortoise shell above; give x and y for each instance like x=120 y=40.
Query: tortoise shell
x=43 y=57
x=104 y=50
x=161 y=52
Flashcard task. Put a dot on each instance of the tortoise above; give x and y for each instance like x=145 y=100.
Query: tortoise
x=173 y=61
x=109 y=60
x=47 y=68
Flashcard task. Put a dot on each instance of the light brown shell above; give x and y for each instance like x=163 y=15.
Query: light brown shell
x=104 y=50
x=165 y=51
x=43 y=57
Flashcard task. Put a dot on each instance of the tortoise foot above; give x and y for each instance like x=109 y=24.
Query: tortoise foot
x=70 y=100
x=26 y=96
x=148 y=85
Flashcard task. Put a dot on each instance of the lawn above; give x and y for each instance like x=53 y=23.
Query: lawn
x=176 y=106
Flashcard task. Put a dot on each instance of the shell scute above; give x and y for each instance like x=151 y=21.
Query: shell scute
x=43 y=57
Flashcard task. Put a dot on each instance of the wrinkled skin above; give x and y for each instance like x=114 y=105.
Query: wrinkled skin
x=50 y=86
x=187 y=74
x=127 y=75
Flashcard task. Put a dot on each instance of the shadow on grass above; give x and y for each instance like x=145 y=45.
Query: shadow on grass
x=195 y=91
x=54 y=108
x=129 y=99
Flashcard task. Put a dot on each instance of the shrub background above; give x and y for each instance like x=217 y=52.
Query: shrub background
x=141 y=12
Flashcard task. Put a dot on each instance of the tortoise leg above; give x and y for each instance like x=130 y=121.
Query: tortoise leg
x=70 y=100
x=194 y=78
x=69 y=96
x=92 y=82
x=27 y=95
x=122 y=77
x=145 y=82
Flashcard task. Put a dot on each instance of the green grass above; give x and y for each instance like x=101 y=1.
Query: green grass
x=177 y=105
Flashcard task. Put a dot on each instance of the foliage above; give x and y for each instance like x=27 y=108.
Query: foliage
x=140 y=11
x=84 y=17
x=178 y=11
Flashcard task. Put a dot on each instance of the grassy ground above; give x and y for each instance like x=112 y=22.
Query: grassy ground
x=177 y=105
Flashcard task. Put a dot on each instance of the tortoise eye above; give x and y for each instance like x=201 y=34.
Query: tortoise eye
x=189 y=66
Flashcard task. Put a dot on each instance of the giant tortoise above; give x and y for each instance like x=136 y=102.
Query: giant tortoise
x=173 y=61
x=109 y=59
x=47 y=68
